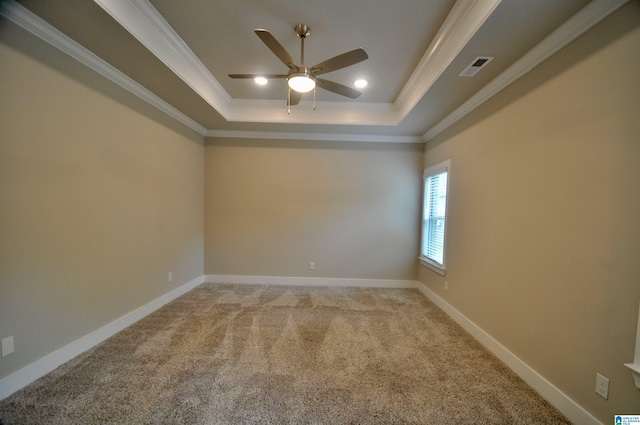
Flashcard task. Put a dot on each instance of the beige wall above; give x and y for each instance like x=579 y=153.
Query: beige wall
x=271 y=207
x=544 y=226
x=101 y=196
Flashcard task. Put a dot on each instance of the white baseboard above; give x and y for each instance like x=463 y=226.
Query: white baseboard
x=546 y=389
x=39 y=368
x=310 y=281
x=572 y=410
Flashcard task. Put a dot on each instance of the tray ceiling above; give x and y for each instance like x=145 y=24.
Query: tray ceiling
x=177 y=56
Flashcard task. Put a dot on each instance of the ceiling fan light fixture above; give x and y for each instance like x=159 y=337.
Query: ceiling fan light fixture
x=302 y=81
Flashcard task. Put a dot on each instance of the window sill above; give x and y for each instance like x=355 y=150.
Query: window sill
x=432 y=265
x=635 y=370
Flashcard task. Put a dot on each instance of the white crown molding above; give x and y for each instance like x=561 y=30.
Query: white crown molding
x=328 y=137
x=146 y=24
x=332 y=113
x=22 y=17
x=464 y=20
x=578 y=24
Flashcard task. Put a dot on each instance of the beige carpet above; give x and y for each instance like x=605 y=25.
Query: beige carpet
x=242 y=354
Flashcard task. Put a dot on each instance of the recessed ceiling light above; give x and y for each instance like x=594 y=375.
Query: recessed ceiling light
x=360 y=83
x=261 y=81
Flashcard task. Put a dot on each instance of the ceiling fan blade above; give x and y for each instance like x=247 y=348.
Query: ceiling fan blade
x=338 y=88
x=252 y=76
x=340 y=61
x=294 y=97
x=276 y=48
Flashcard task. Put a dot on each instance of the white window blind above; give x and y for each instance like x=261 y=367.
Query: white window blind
x=435 y=215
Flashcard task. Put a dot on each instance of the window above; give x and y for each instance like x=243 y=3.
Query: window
x=434 y=217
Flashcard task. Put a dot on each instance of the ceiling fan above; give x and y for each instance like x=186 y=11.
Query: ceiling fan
x=301 y=78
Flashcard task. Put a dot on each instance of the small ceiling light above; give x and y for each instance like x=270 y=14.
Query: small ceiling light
x=360 y=83
x=261 y=81
x=301 y=81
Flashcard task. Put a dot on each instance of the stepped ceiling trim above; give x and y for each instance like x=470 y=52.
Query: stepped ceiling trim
x=143 y=21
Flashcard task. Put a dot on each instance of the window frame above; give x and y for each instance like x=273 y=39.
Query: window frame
x=444 y=166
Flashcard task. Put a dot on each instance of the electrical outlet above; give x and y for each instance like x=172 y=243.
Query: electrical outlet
x=312 y=265
x=7 y=346
x=446 y=285
x=602 y=386
x=170 y=276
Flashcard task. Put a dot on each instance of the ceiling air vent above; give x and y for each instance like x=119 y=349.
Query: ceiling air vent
x=476 y=65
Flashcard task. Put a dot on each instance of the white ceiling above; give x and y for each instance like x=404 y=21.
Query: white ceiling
x=177 y=55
